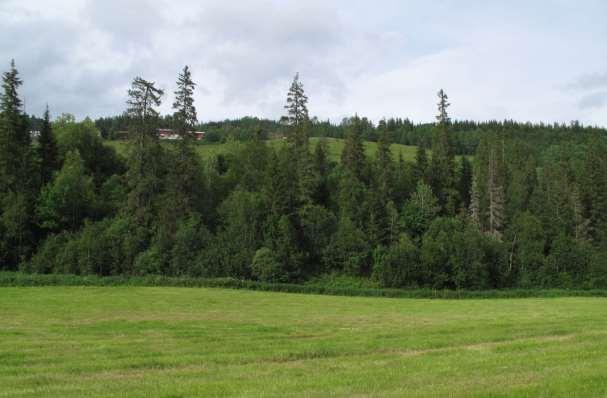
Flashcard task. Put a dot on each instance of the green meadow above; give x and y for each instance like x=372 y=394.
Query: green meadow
x=184 y=342
x=334 y=145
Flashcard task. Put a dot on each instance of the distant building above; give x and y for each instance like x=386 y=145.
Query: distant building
x=35 y=134
x=167 y=134
x=163 y=134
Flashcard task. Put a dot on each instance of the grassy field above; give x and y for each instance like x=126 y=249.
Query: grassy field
x=335 y=146
x=180 y=342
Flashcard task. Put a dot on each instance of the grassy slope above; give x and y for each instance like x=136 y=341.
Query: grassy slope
x=335 y=147
x=93 y=341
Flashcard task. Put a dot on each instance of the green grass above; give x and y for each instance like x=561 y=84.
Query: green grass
x=183 y=342
x=335 y=147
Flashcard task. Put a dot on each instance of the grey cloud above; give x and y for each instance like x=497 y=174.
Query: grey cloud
x=589 y=82
x=594 y=100
x=258 y=46
x=130 y=24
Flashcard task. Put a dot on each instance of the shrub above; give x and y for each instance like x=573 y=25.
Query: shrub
x=266 y=266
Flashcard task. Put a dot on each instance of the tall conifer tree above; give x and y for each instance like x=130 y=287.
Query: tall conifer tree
x=47 y=150
x=442 y=167
x=299 y=123
x=145 y=160
x=16 y=172
x=15 y=140
x=185 y=184
x=353 y=154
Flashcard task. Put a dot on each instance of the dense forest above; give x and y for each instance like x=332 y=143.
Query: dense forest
x=526 y=207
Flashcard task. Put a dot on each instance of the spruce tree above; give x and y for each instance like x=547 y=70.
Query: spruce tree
x=321 y=168
x=594 y=185
x=464 y=185
x=495 y=188
x=297 y=109
x=185 y=182
x=16 y=172
x=47 y=150
x=185 y=111
x=385 y=166
x=442 y=167
x=420 y=170
x=15 y=141
x=443 y=118
x=475 y=203
x=353 y=154
x=299 y=124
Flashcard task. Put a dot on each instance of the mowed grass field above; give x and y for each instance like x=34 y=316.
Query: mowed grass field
x=334 y=145
x=181 y=342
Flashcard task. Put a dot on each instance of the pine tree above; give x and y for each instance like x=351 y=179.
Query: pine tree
x=144 y=97
x=145 y=160
x=47 y=150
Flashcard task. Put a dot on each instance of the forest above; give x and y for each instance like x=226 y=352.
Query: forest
x=484 y=205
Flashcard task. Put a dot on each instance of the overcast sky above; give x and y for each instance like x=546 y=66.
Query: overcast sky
x=525 y=60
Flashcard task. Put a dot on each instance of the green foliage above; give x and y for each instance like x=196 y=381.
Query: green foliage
x=191 y=239
x=15 y=229
x=100 y=161
x=266 y=266
x=420 y=210
x=47 y=150
x=243 y=218
x=453 y=254
x=69 y=199
x=398 y=265
x=530 y=212
x=16 y=166
x=349 y=250
x=529 y=244
x=353 y=155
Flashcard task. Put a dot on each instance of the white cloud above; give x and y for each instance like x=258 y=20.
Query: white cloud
x=527 y=61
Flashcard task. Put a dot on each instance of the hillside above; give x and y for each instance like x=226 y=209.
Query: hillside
x=335 y=147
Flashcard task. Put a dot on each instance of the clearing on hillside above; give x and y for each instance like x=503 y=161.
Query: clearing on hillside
x=179 y=342
x=334 y=146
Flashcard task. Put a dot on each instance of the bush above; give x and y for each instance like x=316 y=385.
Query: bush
x=266 y=266
x=397 y=265
x=22 y=279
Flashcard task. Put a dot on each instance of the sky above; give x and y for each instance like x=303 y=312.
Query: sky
x=539 y=61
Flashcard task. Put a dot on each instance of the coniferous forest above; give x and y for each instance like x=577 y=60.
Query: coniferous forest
x=484 y=204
